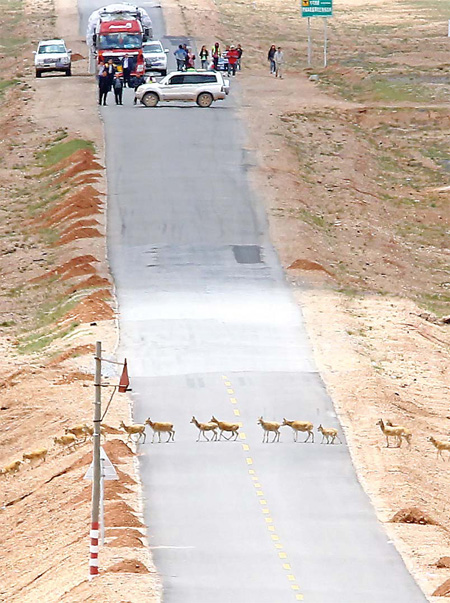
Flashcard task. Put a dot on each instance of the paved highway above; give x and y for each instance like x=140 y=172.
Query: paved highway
x=209 y=326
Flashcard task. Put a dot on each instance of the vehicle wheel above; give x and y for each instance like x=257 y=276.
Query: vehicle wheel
x=150 y=99
x=204 y=99
x=164 y=72
x=38 y=73
x=68 y=72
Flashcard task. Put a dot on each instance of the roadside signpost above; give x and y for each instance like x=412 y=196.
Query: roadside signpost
x=317 y=8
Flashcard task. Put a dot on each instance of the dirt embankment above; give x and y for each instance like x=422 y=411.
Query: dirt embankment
x=353 y=166
x=56 y=300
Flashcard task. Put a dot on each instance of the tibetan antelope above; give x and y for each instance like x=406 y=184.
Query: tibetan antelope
x=328 y=434
x=224 y=426
x=440 y=446
x=135 y=429
x=202 y=427
x=269 y=426
x=300 y=426
x=159 y=428
x=395 y=431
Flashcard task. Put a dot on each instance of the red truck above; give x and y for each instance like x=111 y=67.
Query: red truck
x=114 y=39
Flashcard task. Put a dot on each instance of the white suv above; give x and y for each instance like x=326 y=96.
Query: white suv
x=203 y=87
x=155 y=56
x=52 y=55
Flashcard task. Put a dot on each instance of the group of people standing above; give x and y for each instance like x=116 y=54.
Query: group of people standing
x=275 y=57
x=209 y=60
x=185 y=57
x=110 y=77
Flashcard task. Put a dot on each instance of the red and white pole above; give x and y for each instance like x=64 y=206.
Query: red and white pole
x=93 y=551
x=96 y=469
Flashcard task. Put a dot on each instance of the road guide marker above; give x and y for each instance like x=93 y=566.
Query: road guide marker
x=317 y=8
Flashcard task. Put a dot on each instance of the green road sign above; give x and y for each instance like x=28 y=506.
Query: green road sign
x=317 y=8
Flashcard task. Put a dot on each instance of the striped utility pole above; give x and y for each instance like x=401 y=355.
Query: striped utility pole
x=93 y=549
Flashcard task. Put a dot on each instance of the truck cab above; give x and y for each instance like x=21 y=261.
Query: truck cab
x=114 y=39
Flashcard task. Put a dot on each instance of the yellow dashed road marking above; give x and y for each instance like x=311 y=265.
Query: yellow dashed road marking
x=259 y=492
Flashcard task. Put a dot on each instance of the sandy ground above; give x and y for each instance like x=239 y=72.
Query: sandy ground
x=358 y=211
x=56 y=301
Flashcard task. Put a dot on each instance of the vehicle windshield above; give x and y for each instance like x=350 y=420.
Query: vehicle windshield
x=52 y=49
x=126 y=41
x=152 y=48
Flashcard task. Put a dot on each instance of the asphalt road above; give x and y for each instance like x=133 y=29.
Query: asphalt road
x=209 y=326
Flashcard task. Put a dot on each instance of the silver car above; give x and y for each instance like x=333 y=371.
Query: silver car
x=155 y=56
x=202 y=87
x=52 y=55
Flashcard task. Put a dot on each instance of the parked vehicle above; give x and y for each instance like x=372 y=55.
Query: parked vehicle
x=116 y=30
x=202 y=87
x=118 y=12
x=155 y=56
x=222 y=63
x=52 y=55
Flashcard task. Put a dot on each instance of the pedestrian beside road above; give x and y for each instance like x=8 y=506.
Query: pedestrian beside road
x=180 y=55
x=126 y=68
x=278 y=57
x=101 y=68
x=270 y=55
x=118 y=88
x=190 y=59
x=138 y=81
x=204 y=55
x=215 y=54
x=103 y=87
x=240 y=52
x=233 y=57
x=111 y=71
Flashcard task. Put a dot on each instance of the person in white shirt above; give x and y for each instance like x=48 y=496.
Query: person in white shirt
x=278 y=58
x=126 y=68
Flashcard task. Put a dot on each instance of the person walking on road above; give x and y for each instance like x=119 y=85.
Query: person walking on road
x=233 y=57
x=278 y=57
x=103 y=87
x=215 y=54
x=239 y=51
x=270 y=55
x=204 y=55
x=126 y=68
x=180 y=55
x=118 y=88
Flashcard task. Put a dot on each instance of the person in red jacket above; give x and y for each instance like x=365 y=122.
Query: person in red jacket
x=233 y=57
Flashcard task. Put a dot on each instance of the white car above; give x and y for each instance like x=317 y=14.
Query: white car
x=52 y=55
x=155 y=56
x=202 y=87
